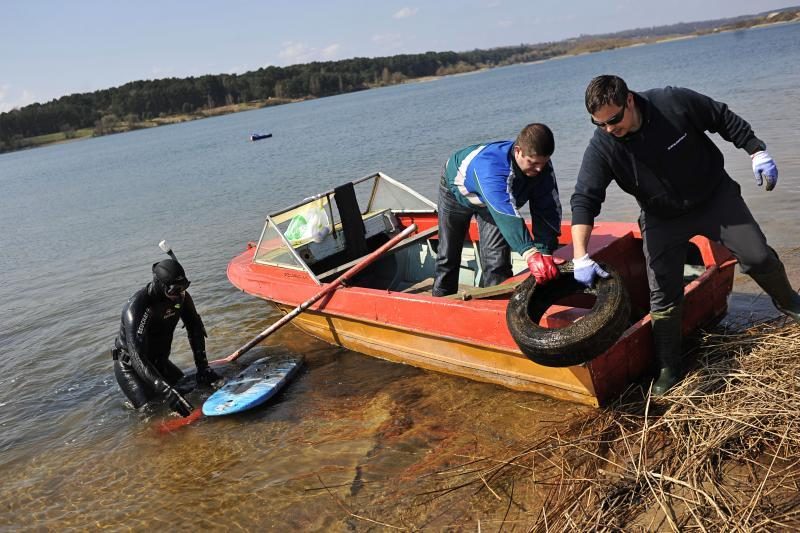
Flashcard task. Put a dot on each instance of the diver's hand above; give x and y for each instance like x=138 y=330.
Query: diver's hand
x=178 y=403
x=206 y=376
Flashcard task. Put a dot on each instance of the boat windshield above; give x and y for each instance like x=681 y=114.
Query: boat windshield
x=306 y=233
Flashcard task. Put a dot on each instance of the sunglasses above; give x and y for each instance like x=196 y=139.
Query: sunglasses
x=178 y=288
x=616 y=119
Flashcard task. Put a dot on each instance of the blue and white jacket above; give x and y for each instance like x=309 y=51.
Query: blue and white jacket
x=485 y=176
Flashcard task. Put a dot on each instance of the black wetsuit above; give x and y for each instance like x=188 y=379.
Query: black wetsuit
x=677 y=175
x=142 y=348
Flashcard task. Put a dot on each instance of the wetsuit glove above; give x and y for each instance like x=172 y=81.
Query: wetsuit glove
x=764 y=168
x=542 y=267
x=206 y=376
x=178 y=403
x=586 y=270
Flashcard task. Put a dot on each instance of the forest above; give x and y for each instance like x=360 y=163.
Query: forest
x=147 y=103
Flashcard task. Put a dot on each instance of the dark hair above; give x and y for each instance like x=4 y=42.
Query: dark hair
x=536 y=139
x=604 y=90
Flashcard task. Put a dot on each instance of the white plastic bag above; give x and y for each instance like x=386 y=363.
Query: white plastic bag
x=310 y=224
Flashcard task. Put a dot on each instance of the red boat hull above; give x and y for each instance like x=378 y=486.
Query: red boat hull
x=471 y=339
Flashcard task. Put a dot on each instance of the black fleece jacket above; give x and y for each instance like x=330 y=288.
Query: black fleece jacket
x=670 y=165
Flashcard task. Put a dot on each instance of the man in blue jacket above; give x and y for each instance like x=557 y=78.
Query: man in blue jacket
x=491 y=182
x=653 y=144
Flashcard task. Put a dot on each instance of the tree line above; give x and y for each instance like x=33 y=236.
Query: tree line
x=146 y=100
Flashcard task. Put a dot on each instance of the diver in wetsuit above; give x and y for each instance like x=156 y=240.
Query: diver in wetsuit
x=141 y=350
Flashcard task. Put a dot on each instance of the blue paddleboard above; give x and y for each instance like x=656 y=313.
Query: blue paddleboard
x=253 y=386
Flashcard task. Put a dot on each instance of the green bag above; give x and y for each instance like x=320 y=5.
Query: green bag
x=297 y=228
x=311 y=224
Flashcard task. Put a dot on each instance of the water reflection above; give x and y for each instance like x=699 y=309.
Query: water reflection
x=350 y=433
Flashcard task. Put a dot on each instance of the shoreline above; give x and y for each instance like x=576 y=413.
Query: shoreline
x=84 y=133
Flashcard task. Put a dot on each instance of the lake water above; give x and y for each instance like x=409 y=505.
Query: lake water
x=354 y=438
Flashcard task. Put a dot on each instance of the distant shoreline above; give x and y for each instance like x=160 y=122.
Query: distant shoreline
x=599 y=45
x=577 y=54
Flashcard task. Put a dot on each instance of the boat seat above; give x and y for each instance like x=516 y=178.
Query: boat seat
x=422 y=235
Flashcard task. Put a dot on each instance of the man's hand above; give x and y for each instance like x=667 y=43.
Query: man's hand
x=764 y=168
x=206 y=376
x=586 y=270
x=542 y=267
x=178 y=403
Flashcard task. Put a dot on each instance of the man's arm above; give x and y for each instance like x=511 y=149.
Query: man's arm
x=195 y=330
x=593 y=179
x=715 y=117
x=539 y=254
x=546 y=212
x=590 y=191
x=493 y=189
x=197 y=340
x=581 y=233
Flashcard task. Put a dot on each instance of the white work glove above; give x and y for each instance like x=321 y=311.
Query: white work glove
x=764 y=168
x=586 y=270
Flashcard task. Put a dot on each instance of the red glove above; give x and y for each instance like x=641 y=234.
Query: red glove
x=542 y=267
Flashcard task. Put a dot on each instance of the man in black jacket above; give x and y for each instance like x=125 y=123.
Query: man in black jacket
x=654 y=145
x=142 y=347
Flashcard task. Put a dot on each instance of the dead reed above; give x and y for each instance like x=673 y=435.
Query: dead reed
x=720 y=452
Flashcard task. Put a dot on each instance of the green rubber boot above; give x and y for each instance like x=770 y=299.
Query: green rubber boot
x=667 y=347
x=777 y=285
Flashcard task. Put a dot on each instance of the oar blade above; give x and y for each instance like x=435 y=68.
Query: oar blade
x=168 y=426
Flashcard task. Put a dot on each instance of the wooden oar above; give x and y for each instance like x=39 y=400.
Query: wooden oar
x=171 y=425
x=355 y=269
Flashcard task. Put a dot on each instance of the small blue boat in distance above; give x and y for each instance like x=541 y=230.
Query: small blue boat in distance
x=259 y=136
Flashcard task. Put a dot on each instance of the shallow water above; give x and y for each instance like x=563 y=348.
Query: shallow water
x=353 y=438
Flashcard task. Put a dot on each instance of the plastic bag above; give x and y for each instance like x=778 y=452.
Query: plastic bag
x=311 y=224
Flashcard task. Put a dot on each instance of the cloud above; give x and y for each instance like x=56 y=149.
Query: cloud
x=294 y=53
x=8 y=101
x=331 y=51
x=405 y=13
x=505 y=23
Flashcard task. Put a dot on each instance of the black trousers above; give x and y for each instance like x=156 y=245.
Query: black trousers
x=725 y=218
x=137 y=390
x=454 y=220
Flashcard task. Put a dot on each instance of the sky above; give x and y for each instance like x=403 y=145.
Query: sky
x=51 y=48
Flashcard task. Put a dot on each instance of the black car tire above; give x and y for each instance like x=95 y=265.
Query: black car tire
x=581 y=341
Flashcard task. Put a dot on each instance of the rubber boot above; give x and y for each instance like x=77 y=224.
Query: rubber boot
x=777 y=285
x=667 y=347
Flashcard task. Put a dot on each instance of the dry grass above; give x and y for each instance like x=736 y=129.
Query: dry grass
x=720 y=452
